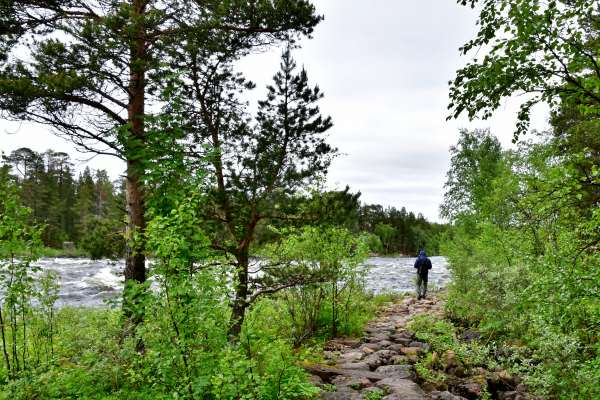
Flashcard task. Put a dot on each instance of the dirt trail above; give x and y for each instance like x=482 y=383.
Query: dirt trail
x=382 y=360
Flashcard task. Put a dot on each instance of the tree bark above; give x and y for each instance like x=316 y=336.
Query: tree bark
x=135 y=268
x=240 y=303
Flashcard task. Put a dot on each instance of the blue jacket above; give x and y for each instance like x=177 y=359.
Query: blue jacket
x=423 y=264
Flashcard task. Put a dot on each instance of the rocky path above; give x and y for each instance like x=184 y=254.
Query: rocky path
x=380 y=366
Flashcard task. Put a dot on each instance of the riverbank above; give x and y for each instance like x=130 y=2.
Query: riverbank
x=411 y=352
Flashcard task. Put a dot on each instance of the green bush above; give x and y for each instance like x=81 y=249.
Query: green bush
x=328 y=297
x=523 y=255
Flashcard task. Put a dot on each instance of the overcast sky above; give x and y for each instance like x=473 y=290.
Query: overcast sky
x=384 y=66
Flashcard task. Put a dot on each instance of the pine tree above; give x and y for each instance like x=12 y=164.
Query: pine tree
x=255 y=165
x=91 y=67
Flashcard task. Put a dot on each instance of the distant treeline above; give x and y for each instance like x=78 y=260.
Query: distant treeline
x=400 y=231
x=87 y=209
x=392 y=230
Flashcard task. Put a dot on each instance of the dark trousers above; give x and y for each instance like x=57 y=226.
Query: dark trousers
x=421 y=285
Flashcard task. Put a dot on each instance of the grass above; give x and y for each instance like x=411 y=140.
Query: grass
x=91 y=359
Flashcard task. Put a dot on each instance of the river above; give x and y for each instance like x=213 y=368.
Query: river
x=89 y=283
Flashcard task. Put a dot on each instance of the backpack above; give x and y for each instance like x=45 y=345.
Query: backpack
x=422 y=268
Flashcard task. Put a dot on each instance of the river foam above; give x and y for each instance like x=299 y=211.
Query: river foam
x=91 y=283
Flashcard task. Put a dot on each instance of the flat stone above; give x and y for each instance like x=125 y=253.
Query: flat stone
x=329 y=373
x=396 y=347
x=352 y=356
x=355 y=365
x=352 y=382
x=402 y=335
x=404 y=396
x=366 y=350
x=373 y=360
x=401 y=389
x=404 y=341
x=378 y=337
x=386 y=353
x=411 y=351
x=398 y=384
x=396 y=371
x=379 y=358
x=348 y=342
x=385 y=343
x=435 y=395
x=341 y=395
x=372 y=346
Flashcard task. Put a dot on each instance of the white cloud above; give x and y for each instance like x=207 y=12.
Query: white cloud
x=384 y=67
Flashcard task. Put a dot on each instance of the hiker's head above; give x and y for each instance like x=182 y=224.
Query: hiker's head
x=422 y=253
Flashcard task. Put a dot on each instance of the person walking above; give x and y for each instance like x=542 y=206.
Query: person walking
x=422 y=265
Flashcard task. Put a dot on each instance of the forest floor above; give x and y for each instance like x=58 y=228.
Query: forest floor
x=387 y=363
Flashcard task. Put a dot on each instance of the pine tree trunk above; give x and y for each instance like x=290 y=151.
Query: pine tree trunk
x=135 y=268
